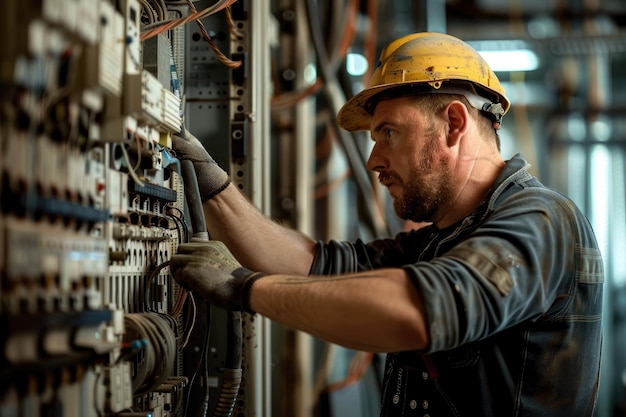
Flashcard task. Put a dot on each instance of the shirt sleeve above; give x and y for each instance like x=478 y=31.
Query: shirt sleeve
x=519 y=265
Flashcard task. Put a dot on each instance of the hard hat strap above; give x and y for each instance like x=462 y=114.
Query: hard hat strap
x=494 y=111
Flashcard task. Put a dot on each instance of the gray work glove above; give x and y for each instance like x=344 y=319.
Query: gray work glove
x=211 y=178
x=212 y=272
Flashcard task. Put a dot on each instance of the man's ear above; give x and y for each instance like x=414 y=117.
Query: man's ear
x=458 y=118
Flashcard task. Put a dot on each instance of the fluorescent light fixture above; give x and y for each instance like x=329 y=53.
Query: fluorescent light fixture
x=511 y=60
x=356 y=64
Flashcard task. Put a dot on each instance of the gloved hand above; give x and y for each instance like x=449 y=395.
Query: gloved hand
x=211 y=178
x=211 y=271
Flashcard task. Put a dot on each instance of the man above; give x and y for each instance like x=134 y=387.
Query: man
x=492 y=310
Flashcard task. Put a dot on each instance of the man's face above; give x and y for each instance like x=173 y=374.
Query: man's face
x=410 y=156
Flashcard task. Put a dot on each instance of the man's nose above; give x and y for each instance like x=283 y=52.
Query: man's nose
x=375 y=162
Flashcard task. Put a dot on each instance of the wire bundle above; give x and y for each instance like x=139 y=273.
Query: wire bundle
x=156 y=362
x=196 y=15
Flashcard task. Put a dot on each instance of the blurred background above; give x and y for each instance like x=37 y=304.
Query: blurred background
x=562 y=65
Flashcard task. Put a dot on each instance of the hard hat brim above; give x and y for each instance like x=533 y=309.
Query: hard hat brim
x=357 y=113
x=353 y=115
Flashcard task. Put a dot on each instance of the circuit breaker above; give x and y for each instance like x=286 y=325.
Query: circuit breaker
x=92 y=203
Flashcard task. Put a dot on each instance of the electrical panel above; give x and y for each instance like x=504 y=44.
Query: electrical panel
x=92 y=206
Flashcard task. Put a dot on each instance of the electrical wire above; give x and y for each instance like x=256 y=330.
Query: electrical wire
x=192 y=321
x=180 y=302
x=162 y=7
x=154 y=25
x=180 y=299
x=203 y=355
x=358 y=367
x=159 y=354
x=148 y=11
x=191 y=17
x=334 y=99
x=131 y=172
x=154 y=28
x=347 y=28
x=231 y=378
x=149 y=281
x=223 y=58
x=231 y=25
x=331 y=185
x=185 y=228
x=178 y=227
x=179 y=220
x=96 y=405
x=289 y=99
x=348 y=31
x=138 y=145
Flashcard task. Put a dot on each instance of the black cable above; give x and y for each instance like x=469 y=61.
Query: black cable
x=355 y=158
x=235 y=338
x=180 y=219
x=231 y=379
x=148 y=283
x=192 y=195
x=180 y=226
x=203 y=357
x=204 y=410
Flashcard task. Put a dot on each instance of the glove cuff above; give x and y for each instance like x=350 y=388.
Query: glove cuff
x=249 y=278
x=206 y=196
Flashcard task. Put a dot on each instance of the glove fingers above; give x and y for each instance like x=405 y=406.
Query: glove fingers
x=194 y=141
x=203 y=263
x=192 y=247
x=219 y=253
x=210 y=283
x=189 y=141
x=212 y=179
x=193 y=272
x=189 y=150
x=214 y=251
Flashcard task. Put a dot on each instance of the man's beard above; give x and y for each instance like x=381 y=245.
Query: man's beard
x=427 y=189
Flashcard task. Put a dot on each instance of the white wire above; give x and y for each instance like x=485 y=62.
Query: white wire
x=131 y=172
x=193 y=321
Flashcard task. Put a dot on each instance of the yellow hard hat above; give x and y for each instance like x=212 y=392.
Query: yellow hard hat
x=428 y=62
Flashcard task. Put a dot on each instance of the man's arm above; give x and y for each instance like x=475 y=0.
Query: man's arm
x=257 y=242
x=378 y=311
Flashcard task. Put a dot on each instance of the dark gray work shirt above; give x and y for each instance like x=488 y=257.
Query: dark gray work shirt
x=513 y=301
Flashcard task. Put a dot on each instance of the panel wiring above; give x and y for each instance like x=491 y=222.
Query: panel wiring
x=93 y=206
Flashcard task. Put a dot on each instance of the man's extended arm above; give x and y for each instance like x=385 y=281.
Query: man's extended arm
x=378 y=311
x=259 y=243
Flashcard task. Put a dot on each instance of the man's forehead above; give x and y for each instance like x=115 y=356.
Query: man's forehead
x=395 y=111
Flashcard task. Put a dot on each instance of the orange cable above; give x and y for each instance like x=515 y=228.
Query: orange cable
x=184 y=20
x=289 y=99
x=350 y=32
